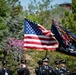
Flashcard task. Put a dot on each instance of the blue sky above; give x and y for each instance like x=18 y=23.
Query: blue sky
x=25 y=3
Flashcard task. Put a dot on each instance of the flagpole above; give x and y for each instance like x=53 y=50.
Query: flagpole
x=24 y=51
x=24 y=56
x=46 y=53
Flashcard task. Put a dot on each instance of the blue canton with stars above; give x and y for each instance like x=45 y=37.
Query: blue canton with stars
x=31 y=28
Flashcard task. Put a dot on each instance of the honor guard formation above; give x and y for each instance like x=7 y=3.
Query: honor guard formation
x=43 y=68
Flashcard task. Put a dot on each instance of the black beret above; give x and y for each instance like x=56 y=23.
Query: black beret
x=40 y=62
x=63 y=61
x=56 y=62
x=22 y=61
x=4 y=62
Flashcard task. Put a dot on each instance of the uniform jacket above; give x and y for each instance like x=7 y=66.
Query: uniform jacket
x=2 y=71
x=23 y=71
x=56 y=71
x=64 y=71
x=37 y=70
x=45 y=70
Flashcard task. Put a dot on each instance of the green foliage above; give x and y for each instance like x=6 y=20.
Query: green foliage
x=12 y=64
x=12 y=21
x=39 y=12
x=74 y=9
x=73 y=6
x=1 y=55
x=3 y=8
x=69 y=22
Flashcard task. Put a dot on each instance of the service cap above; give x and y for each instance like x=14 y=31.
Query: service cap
x=46 y=59
x=63 y=61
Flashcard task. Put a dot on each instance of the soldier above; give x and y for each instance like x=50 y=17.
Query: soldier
x=40 y=63
x=5 y=70
x=63 y=69
x=23 y=70
x=56 y=70
x=23 y=64
x=45 y=69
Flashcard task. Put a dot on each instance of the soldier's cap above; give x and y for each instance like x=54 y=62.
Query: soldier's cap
x=4 y=62
x=40 y=62
x=56 y=62
x=46 y=59
x=22 y=61
x=63 y=61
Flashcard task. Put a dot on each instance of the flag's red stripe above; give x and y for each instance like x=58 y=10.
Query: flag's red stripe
x=39 y=43
x=47 y=33
x=41 y=38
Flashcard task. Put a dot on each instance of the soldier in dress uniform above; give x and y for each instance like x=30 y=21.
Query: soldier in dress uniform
x=40 y=63
x=23 y=70
x=5 y=70
x=45 y=69
x=56 y=70
x=64 y=70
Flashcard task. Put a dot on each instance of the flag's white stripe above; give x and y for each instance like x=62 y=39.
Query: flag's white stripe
x=39 y=36
x=42 y=41
x=40 y=46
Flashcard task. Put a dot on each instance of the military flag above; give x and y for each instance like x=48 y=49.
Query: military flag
x=66 y=39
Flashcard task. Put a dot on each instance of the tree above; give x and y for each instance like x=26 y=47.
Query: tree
x=3 y=8
x=73 y=6
x=3 y=15
x=11 y=25
x=40 y=12
x=69 y=19
x=12 y=21
x=74 y=9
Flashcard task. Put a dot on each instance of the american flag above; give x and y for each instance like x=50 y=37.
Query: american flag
x=37 y=37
